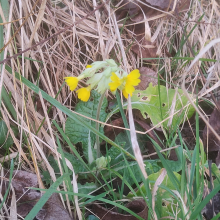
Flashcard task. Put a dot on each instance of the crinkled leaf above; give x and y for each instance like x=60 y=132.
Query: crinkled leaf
x=122 y=140
x=47 y=177
x=86 y=188
x=78 y=133
x=175 y=166
x=77 y=165
x=121 y=168
x=148 y=102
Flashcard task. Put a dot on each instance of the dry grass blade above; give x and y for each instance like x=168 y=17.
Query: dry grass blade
x=8 y=28
x=203 y=51
x=13 y=207
x=154 y=192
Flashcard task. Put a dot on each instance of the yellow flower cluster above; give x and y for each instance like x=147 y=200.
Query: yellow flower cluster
x=108 y=79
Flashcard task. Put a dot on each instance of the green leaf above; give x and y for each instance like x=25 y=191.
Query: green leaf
x=78 y=133
x=148 y=102
x=122 y=169
x=165 y=201
x=175 y=166
x=122 y=140
x=166 y=182
x=78 y=166
x=86 y=188
x=47 y=177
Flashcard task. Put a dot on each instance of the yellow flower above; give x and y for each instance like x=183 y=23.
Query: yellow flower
x=88 y=66
x=84 y=93
x=72 y=82
x=116 y=82
x=132 y=79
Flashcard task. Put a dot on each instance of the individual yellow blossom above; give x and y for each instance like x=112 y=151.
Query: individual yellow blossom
x=116 y=82
x=84 y=93
x=72 y=82
x=88 y=66
x=132 y=79
x=126 y=84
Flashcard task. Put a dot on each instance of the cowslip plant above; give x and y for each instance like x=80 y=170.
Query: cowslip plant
x=104 y=75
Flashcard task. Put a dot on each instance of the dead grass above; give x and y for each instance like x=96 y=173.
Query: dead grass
x=96 y=37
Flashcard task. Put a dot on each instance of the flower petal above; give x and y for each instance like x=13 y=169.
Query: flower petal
x=113 y=86
x=129 y=89
x=88 y=66
x=116 y=82
x=135 y=74
x=125 y=94
x=84 y=94
x=72 y=82
x=133 y=82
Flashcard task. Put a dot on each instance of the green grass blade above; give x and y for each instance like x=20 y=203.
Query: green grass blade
x=44 y=198
x=172 y=177
x=69 y=185
x=49 y=109
x=94 y=198
x=197 y=146
x=192 y=171
x=123 y=115
x=199 y=208
x=70 y=145
x=27 y=58
x=7 y=102
x=9 y=184
x=125 y=181
x=216 y=217
x=146 y=185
